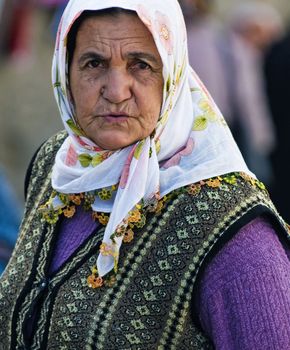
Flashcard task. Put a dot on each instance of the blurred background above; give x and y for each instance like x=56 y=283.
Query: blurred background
x=239 y=48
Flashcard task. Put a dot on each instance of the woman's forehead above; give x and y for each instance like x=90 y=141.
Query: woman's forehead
x=115 y=26
x=125 y=32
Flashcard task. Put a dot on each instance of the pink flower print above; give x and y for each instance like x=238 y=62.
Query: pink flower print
x=186 y=151
x=87 y=146
x=126 y=170
x=144 y=16
x=71 y=157
x=165 y=34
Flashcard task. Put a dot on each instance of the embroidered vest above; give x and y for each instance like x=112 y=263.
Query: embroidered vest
x=150 y=304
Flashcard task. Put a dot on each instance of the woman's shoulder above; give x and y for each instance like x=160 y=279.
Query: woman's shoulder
x=51 y=145
x=256 y=246
x=213 y=211
x=251 y=270
x=228 y=199
x=43 y=158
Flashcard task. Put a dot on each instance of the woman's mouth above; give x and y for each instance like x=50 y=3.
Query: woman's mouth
x=114 y=117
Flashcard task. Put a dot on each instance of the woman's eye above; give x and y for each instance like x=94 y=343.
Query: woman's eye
x=142 y=65
x=93 y=64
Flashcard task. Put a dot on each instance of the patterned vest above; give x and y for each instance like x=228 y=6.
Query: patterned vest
x=150 y=305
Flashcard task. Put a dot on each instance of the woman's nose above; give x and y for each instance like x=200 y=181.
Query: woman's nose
x=118 y=86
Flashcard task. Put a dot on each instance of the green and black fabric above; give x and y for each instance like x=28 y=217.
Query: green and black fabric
x=150 y=305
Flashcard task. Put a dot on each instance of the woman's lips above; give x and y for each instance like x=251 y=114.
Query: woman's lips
x=113 y=118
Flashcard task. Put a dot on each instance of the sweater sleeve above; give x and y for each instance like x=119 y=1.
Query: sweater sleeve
x=243 y=300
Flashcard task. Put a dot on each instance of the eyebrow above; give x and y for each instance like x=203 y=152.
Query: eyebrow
x=90 y=55
x=137 y=54
x=143 y=55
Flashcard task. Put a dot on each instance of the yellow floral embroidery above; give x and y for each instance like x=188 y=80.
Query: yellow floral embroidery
x=194 y=189
x=69 y=212
x=128 y=236
x=135 y=216
x=105 y=194
x=95 y=281
x=246 y=177
x=76 y=199
x=120 y=231
x=213 y=182
x=159 y=207
x=101 y=217
x=260 y=185
x=51 y=217
x=231 y=179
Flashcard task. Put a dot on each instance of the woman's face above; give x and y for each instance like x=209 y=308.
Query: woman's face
x=116 y=80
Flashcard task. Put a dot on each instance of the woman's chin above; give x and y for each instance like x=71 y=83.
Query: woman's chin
x=114 y=141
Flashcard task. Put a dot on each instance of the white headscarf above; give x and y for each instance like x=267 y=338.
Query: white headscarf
x=192 y=141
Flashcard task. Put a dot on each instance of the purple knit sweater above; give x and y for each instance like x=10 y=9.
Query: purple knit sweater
x=72 y=234
x=244 y=295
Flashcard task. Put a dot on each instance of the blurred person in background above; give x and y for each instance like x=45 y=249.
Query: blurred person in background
x=230 y=63
x=10 y=214
x=252 y=27
x=16 y=22
x=55 y=9
x=277 y=73
x=204 y=31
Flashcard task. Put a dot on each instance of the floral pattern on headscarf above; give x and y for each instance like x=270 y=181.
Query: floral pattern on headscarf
x=191 y=141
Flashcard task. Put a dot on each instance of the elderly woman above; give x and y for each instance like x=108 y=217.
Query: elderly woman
x=144 y=228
